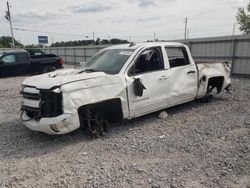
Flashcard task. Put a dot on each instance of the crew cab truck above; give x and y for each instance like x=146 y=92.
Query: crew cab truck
x=19 y=61
x=119 y=82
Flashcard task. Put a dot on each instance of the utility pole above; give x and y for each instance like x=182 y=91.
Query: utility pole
x=234 y=30
x=185 y=33
x=93 y=38
x=109 y=39
x=154 y=37
x=8 y=17
x=233 y=47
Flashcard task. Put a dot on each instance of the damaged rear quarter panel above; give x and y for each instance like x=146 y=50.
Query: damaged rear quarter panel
x=209 y=70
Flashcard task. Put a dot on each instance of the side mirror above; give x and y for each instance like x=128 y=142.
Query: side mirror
x=79 y=64
x=138 y=87
x=82 y=63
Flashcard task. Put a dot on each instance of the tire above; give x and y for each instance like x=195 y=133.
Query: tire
x=206 y=98
x=49 y=68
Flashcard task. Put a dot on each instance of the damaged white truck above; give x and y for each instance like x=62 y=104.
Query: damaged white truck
x=119 y=82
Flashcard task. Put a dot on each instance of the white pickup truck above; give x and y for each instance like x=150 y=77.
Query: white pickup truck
x=119 y=82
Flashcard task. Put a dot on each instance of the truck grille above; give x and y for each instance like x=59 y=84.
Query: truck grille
x=51 y=104
x=41 y=103
x=34 y=96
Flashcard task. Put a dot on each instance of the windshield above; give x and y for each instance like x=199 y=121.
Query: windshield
x=108 y=61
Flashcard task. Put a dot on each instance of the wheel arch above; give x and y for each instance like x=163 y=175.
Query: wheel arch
x=215 y=82
x=110 y=110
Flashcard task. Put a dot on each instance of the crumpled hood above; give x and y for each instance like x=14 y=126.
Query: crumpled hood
x=60 y=77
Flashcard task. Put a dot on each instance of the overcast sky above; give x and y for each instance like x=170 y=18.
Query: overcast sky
x=135 y=19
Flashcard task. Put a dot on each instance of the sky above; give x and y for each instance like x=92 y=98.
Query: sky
x=134 y=20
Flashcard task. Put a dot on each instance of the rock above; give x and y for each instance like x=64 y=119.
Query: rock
x=162 y=136
x=84 y=153
x=173 y=185
x=163 y=115
x=90 y=178
x=155 y=186
x=247 y=123
x=139 y=170
x=150 y=180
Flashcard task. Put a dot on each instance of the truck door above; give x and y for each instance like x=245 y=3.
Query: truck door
x=145 y=82
x=182 y=76
x=8 y=65
x=23 y=63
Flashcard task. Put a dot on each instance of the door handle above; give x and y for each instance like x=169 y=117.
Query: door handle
x=190 y=72
x=163 y=78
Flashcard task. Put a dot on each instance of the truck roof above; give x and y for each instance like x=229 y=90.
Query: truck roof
x=143 y=45
x=12 y=51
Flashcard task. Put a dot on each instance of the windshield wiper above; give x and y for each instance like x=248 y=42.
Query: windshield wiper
x=89 y=70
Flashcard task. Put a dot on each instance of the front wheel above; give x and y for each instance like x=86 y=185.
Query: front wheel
x=49 y=68
x=206 y=98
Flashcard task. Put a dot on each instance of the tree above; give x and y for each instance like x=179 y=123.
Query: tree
x=6 y=41
x=243 y=19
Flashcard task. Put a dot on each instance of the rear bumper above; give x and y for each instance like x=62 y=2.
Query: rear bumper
x=62 y=124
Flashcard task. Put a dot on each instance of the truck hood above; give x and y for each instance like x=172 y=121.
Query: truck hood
x=61 y=77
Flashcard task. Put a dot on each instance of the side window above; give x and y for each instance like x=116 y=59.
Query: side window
x=22 y=57
x=9 y=59
x=177 y=56
x=149 y=60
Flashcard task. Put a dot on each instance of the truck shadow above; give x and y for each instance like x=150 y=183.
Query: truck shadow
x=17 y=141
x=128 y=124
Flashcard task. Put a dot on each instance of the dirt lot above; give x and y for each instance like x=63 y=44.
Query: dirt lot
x=197 y=145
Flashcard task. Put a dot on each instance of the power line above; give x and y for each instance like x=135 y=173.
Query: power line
x=48 y=32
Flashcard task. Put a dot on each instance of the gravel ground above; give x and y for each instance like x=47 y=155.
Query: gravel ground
x=196 y=145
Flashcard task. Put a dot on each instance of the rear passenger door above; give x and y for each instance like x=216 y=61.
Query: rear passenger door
x=182 y=76
x=23 y=63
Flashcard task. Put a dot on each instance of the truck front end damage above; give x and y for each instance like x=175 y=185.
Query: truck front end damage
x=42 y=110
x=64 y=107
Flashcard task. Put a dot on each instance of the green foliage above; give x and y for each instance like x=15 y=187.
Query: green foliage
x=6 y=42
x=88 y=42
x=34 y=46
x=243 y=19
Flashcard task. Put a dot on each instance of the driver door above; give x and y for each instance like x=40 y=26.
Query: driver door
x=146 y=82
x=8 y=65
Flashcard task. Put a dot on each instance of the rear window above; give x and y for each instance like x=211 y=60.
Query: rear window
x=22 y=57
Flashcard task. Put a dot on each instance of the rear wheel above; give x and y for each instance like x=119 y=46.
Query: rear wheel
x=48 y=68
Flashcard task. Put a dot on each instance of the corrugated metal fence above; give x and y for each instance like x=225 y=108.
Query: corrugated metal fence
x=74 y=55
x=236 y=49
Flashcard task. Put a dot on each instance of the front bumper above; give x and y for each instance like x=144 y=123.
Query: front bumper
x=62 y=124
x=42 y=111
